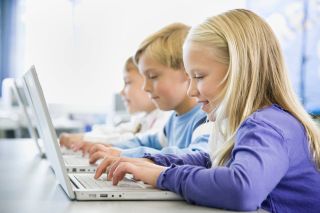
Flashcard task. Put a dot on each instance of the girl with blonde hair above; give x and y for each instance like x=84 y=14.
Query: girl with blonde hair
x=265 y=148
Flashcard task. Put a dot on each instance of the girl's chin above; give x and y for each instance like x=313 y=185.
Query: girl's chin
x=206 y=108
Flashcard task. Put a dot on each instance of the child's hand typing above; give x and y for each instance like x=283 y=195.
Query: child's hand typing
x=141 y=170
x=111 y=164
x=100 y=151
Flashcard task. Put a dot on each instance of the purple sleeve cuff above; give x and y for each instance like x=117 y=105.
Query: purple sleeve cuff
x=157 y=159
x=197 y=158
x=161 y=181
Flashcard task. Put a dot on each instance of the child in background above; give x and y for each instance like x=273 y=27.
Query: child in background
x=145 y=117
x=159 y=59
x=265 y=150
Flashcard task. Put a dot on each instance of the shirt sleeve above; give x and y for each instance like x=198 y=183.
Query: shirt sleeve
x=153 y=146
x=138 y=152
x=258 y=162
x=137 y=146
x=112 y=139
x=196 y=159
x=148 y=140
x=199 y=144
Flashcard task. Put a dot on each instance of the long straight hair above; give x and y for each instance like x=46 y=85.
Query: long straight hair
x=256 y=77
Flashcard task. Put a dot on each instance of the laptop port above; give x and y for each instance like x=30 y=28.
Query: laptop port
x=104 y=195
x=82 y=170
x=74 y=170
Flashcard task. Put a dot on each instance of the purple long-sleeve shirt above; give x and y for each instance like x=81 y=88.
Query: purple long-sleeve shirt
x=270 y=168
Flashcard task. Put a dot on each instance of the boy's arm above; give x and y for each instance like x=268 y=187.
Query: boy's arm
x=200 y=138
x=153 y=144
x=146 y=140
x=199 y=144
x=112 y=139
x=150 y=143
x=138 y=152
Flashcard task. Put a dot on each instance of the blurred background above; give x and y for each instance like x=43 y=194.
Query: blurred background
x=79 y=48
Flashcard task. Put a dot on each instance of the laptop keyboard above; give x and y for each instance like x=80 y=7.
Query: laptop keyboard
x=89 y=182
x=65 y=151
x=76 y=161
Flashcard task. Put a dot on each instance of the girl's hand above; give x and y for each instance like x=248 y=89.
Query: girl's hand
x=112 y=163
x=141 y=170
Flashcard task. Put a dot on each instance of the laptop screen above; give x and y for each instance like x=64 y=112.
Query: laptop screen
x=27 y=112
x=44 y=123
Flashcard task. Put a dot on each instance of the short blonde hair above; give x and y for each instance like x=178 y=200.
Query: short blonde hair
x=165 y=46
x=256 y=77
x=130 y=65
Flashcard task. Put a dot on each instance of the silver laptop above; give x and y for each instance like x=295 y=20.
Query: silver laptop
x=83 y=186
x=22 y=101
x=20 y=92
x=74 y=162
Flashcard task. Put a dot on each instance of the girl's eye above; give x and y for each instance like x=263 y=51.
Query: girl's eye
x=153 y=77
x=198 y=77
x=127 y=82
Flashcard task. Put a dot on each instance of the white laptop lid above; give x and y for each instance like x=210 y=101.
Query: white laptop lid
x=48 y=135
x=55 y=158
x=19 y=90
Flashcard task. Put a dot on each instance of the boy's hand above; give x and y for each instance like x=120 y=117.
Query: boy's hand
x=83 y=146
x=69 y=140
x=99 y=151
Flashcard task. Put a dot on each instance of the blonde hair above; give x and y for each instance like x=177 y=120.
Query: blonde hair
x=256 y=77
x=130 y=65
x=165 y=46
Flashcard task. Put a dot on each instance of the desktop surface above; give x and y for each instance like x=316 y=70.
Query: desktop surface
x=27 y=184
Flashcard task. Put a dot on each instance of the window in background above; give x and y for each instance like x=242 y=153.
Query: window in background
x=11 y=32
x=296 y=24
x=79 y=46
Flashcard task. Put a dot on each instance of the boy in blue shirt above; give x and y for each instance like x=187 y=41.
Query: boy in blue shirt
x=159 y=59
x=145 y=117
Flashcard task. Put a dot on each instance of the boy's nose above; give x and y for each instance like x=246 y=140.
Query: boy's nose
x=146 y=86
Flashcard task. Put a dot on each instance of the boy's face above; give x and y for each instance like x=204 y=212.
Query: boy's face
x=133 y=95
x=206 y=75
x=166 y=87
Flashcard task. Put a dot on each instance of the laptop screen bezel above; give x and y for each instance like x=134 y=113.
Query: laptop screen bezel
x=26 y=110
x=45 y=126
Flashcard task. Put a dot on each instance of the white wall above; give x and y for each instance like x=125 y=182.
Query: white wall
x=79 y=49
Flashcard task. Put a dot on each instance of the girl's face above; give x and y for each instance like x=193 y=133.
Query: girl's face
x=206 y=75
x=133 y=95
x=166 y=87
